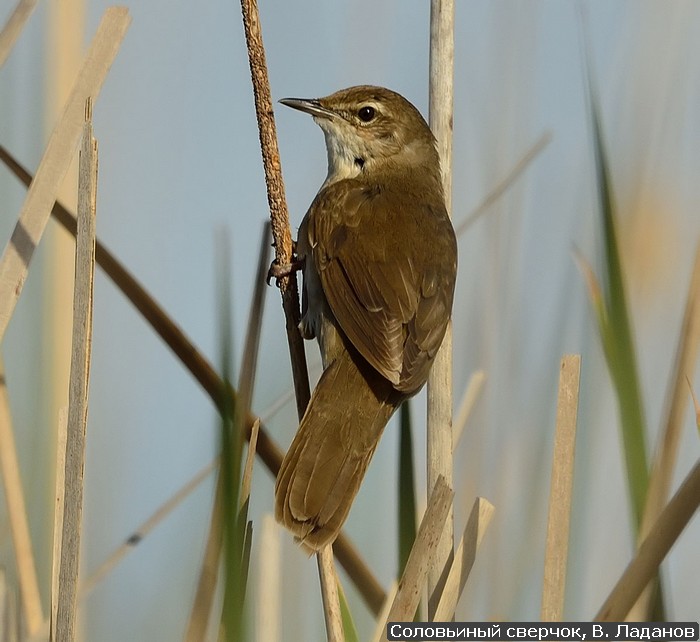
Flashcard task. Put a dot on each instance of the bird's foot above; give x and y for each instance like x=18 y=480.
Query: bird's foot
x=279 y=271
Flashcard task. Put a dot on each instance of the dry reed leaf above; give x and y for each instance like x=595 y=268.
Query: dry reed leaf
x=422 y=557
x=479 y=520
x=560 y=491
x=13 y=27
x=17 y=514
x=79 y=385
x=14 y=265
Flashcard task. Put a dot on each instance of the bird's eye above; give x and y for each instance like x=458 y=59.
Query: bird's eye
x=366 y=113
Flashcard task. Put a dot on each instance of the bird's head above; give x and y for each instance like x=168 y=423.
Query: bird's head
x=370 y=129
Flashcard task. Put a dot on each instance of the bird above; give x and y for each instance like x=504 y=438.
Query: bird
x=378 y=255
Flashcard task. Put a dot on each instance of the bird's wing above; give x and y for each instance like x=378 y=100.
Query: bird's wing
x=387 y=265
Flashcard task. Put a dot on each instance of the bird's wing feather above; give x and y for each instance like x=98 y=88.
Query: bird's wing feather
x=381 y=259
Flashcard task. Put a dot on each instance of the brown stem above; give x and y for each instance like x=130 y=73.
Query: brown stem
x=288 y=284
x=279 y=216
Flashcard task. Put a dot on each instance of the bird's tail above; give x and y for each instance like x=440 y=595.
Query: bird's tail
x=323 y=468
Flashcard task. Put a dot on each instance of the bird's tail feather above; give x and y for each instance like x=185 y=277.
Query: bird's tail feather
x=324 y=467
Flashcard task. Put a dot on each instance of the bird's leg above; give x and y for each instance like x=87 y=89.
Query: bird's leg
x=279 y=271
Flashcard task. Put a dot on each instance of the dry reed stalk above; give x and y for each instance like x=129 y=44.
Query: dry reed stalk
x=439 y=419
x=329 y=595
x=423 y=556
x=505 y=183
x=279 y=216
x=13 y=27
x=203 y=372
x=17 y=515
x=267 y=606
x=466 y=406
x=79 y=385
x=561 y=485
x=479 y=520
x=59 y=500
x=651 y=552
x=61 y=147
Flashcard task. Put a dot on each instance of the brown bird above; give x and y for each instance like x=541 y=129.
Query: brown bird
x=379 y=259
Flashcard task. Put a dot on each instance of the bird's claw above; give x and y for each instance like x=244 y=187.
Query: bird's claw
x=279 y=271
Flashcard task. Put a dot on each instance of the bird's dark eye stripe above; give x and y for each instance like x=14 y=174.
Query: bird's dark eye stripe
x=366 y=113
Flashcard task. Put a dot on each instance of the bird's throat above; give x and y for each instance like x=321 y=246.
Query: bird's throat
x=342 y=157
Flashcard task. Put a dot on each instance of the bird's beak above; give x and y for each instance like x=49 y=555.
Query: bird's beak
x=309 y=105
